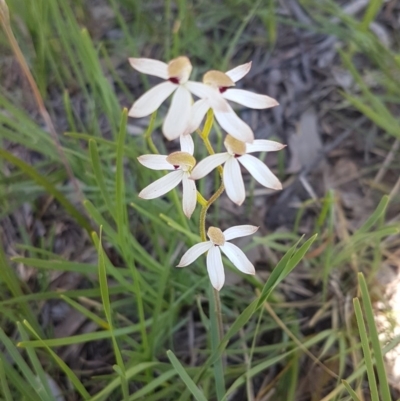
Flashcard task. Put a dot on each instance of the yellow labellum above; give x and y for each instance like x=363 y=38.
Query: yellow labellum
x=180 y=68
x=181 y=159
x=216 y=236
x=217 y=78
x=234 y=145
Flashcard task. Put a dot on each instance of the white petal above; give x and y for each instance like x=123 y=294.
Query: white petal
x=263 y=145
x=199 y=89
x=260 y=172
x=197 y=113
x=189 y=196
x=215 y=268
x=250 y=99
x=217 y=102
x=150 y=67
x=237 y=73
x=187 y=144
x=239 y=231
x=194 y=252
x=238 y=258
x=178 y=115
x=162 y=185
x=155 y=162
x=208 y=164
x=215 y=98
x=151 y=100
x=234 y=126
x=233 y=181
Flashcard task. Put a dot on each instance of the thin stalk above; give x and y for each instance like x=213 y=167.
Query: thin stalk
x=204 y=209
x=217 y=330
x=148 y=133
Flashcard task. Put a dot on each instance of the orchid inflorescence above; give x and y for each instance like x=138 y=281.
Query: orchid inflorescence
x=183 y=118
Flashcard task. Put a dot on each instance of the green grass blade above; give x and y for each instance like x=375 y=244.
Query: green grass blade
x=288 y=262
x=98 y=173
x=100 y=220
x=130 y=373
x=153 y=384
x=370 y=13
x=366 y=350
x=90 y=315
x=376 y=215
x=8 y=276
x=17 y=382
x=373 y=334
x=49 y=187
x=5 y=390
x=120 y=203
x=63 y=366
x=82 y=338
x=350 y=390
x=61 y=265
x=190 y=384
x=238 y=33
x=15 y=355
x=41 y=377
x=105 y=297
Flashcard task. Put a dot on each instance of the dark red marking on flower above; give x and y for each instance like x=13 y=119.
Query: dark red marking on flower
x=216 y=245
x=222 y=89
x=236 y=155
x=176 y=167
x=174 y=80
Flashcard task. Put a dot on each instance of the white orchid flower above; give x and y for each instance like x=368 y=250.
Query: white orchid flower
x=221 y=85
x=218 y=242
x=176 y=73
x=238 y=151
x=182 y=162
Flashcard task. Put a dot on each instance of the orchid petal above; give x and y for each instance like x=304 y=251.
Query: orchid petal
x=260 y=172
x=217 y=102
x=233 y=181
x=263 y=145
x=189 y=196
x=197 y=113
x=215 y=268
x=239 y=231
x=238 y=258
x=155 y=162
x=178 y=115
x=150 y=67
x=237 y=73
x=199 y=89
x=152 y=99
x=162 y=185
x=203 y=91
x=208 y=164
x=194 y=252
x=235 y=127
x=187 y=144
x=250 y=99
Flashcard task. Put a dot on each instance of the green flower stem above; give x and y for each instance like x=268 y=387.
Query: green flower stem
x=204 y=209
x=206 y=132
x=148 y=133
x=217 y=330
x=201 y=199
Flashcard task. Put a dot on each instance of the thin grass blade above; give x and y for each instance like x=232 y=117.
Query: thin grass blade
x=190 y=384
